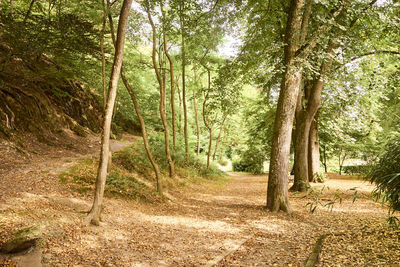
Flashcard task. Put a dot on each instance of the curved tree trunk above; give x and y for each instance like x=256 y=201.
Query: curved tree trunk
x=140 y=117
x=144 y=132
x=162 y=97
x=94 y=214
x=277 y=195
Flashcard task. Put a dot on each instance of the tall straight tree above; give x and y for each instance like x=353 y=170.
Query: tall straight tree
x=171 y=73
x=161 y=83
x=94 y=214
x=185 y=119
x=277 y=195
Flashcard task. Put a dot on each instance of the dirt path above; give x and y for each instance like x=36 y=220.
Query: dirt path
x=213 y=224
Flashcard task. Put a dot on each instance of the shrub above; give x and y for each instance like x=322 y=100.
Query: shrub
x=386 y=176
x=242 y=165
x=356 y=169
x=223 y=162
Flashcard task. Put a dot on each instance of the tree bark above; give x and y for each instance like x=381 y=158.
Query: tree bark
x=171 y=72
x=162 y=96
x=313 y=151
x=144 y=132
x=185 y=127
x=140 y=117
x=206 y=123
x=94 y=214
x=221 y=129
x=303 y=124
x=180 y=107
x=222 y=146
x=196 y=117
x=324 y=157
x=277 y=195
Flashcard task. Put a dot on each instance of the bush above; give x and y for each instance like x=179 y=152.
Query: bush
x=386 y=176
x=223 y=162
x=356 y=169
x=248 y=166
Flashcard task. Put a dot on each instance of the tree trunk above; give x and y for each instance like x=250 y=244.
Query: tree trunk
x=196 y=117
x=301 y=155
x=144 y=133
x=222 y=147
x=29 y=11
x=209 y=147
x=206 y=123
x=185 y=127
x=221 y=129
x=171 y=72
x=324 y=162
x=304 y=120
x=140 y=117
x=180 y=107
x=94 y=214
x=277 y=195
x=162 y=97
x=313 y=151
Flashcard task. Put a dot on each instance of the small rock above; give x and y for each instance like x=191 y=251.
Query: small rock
x=22 y=239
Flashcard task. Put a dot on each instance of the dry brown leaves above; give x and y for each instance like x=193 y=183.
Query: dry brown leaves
x=203 y=223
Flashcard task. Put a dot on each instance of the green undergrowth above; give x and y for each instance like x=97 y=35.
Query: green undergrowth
x=132 y=176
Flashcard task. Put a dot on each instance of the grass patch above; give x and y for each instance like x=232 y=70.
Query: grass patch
x=132 y=175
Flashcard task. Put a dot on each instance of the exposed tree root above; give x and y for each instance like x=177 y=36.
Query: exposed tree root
x=221 y=257
x=313 y=258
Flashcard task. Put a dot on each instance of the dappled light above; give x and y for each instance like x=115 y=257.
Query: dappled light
x=199 y=133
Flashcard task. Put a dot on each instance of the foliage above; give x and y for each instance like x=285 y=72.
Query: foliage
x=252 y=160
x=385 y=174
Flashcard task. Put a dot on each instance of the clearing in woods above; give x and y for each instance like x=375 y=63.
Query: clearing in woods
x=223 y=224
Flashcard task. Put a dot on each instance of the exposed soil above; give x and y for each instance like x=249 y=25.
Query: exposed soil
x=207 y=224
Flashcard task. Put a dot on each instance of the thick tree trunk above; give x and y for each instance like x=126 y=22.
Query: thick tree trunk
x=277 y=195
x=139 y=114
x=162 y=97
x=301 y=155
x=304 y=120
x=313 y=151
x=94 y=214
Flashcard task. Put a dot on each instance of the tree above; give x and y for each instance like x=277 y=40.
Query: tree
x=277 y=198
x=139 y=114
x=161 y=83
x=94 y=214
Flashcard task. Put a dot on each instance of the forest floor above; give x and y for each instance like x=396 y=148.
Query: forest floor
x=215 y=223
